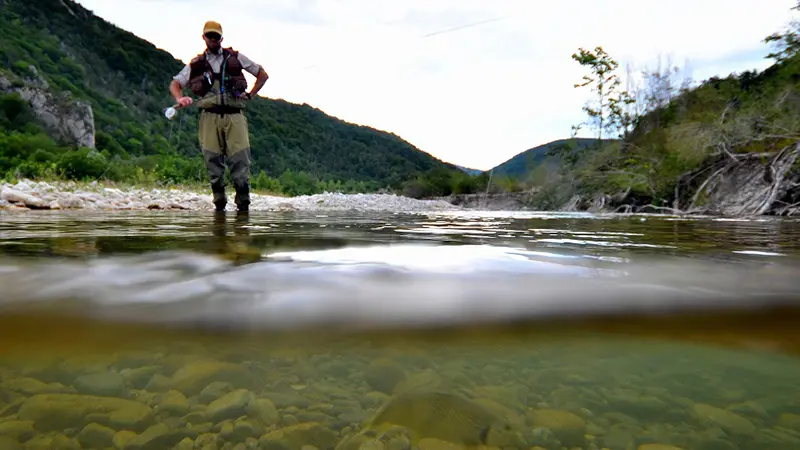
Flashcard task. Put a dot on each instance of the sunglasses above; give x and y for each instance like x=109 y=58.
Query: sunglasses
x=213 y=36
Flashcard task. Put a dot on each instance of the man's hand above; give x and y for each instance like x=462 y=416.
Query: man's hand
x=245 y=96
x=177 y=93
x=184 y=102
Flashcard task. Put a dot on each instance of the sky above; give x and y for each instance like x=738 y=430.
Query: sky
x=472 y=82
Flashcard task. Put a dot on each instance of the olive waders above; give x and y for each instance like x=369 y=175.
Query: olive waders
x=224 y=140
x=222 y=129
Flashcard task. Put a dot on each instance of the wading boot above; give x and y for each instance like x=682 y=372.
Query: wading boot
x=220 y=201
x=240 y=175
x=243 y=198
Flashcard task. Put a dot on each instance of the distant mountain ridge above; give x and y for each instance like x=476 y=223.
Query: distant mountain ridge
x=469 y=171
x=527 y=161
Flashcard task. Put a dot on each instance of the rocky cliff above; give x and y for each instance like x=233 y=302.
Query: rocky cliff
x=69 y=121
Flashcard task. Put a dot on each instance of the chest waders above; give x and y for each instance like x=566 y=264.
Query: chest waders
x=224 y=140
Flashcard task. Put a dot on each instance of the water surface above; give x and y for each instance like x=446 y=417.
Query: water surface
x=294 y=329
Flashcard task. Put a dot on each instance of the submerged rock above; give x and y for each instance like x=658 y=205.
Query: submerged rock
x=444 y=416
x=140 y=376
x=263 y=411
x=155 y=437
x=96 y=436
x=383 y=375
x=20 y=430
x=121 y=438
x=658 y=447
x=54 y=412
x=215 y=390
x=8 y=443
x=32 y=386
x=729 y=421
x=790 y=421
x=298 y=436
x=109 y=384
x=48 y=442
x=568 y=427
x=173 y=403
x=194 y=377
x=230 y=406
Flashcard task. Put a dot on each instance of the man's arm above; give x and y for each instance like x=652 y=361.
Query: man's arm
x=176 y=87
x=256 y=70
x=176 y=90
x=261 y=78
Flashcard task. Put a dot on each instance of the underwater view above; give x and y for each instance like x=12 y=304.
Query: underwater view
x=386 y=225
x=443 y=330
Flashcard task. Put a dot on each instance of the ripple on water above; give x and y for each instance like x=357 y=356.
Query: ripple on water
x=620 y=385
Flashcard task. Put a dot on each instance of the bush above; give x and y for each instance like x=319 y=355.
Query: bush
x=22 y=68
x=83 y=163
x=264 y=182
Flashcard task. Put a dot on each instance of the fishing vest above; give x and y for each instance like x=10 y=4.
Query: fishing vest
x=218 y=89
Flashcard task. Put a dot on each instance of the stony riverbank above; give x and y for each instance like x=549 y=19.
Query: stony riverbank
x=26 y=195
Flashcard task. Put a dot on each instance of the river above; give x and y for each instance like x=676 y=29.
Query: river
x=368 y=330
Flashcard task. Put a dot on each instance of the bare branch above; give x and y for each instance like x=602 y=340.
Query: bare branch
x=786 y=209
x=765 y=137
x=777 y=175
x=703 y=186
x=724 y=149
x=724 y=113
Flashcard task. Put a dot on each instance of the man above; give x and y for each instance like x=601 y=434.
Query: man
x=216 y=77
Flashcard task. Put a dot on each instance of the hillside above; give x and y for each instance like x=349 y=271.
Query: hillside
x=70 y=82
x=728 y=145
x=523 y=164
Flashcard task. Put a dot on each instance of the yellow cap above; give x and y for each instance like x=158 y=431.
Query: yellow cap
x=212 y=27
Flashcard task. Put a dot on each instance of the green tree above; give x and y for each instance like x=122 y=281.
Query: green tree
x=608 y=114
x=787 y=43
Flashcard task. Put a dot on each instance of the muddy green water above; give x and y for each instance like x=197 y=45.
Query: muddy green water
x=304 y=331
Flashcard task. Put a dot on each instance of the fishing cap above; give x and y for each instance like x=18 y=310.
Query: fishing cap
x=212 y=27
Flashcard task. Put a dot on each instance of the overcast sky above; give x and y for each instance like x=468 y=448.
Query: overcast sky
x=472 y=82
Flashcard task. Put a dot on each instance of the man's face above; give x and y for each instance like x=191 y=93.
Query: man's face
x=213 y=41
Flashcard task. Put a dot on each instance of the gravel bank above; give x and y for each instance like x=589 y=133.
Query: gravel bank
x=26 y=194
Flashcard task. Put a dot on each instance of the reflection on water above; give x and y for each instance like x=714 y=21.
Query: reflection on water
x=72 y=233
x=348 y=331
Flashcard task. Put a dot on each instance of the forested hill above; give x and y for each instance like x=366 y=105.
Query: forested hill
x=522 y=164
x=55 y=54
x=727 y=145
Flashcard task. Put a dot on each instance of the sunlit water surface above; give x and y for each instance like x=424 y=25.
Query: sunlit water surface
x=376 y=331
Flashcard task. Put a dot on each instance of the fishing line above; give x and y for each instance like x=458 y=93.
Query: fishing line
x=420 y=38
x=488 y=183
x=172 y=111
x=461 y=27
x=171 y=123
x=428 y=35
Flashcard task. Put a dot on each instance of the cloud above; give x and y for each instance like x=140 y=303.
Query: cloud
x=471 y=82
